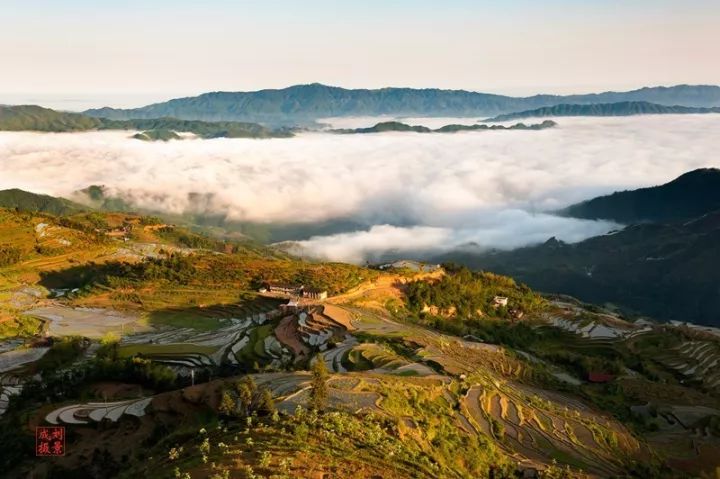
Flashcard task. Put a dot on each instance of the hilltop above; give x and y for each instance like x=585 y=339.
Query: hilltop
x=157 y=135
x=625 y=108
x=301 y=104
x=688 y=196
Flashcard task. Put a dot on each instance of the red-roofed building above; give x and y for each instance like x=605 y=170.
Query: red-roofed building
x=596 y=377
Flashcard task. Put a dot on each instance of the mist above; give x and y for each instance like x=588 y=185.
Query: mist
x=415 y=192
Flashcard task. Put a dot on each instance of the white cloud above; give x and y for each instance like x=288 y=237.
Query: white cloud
x=462 y=187
x=506 y=229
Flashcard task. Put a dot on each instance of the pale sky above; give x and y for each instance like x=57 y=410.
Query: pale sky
x=158 y=49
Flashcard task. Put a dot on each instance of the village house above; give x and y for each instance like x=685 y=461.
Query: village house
x=291 y=306
x=499 y=301
x=282 y=288
x=314 y=293
x=599 y=377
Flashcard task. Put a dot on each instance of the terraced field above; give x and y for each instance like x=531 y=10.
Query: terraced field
x=88 y=322
x=531 y=424
x=97 y=412
x=698 y=361
x=265 y=336
x=379 y=358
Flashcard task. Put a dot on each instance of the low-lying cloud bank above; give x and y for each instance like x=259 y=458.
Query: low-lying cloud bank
x=505 y=230
x=475 y=187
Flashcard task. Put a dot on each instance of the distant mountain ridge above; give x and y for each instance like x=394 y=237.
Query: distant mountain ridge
x=397 y=126
x=691 y=195
x=624 y=108
x=36 y=118
x=308 y=103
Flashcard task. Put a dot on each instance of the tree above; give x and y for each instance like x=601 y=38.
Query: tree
x=246 y=389
x=227 y=404
x=319 y=388
x=267 y=403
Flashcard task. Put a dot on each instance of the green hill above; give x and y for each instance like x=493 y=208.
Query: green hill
x=402 y=127
x=666 y=271
x=157 y=135
x=35 y=118
x=626 y=108
x=32 y=202
x=688 y=196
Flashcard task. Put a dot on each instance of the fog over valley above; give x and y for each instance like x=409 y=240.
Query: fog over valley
x=413 y=192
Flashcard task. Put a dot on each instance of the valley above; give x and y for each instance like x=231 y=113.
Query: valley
x=359 y=240
x=106 y=335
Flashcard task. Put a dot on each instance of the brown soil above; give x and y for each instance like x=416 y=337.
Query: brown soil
x=339 y=315
x=287 y=333
x=116 y=391
x=375 y=293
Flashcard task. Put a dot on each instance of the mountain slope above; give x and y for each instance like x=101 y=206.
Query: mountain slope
x=306 y=103
x=35 y=118
x=26 y=201
x=420 y=375
x=667 y=271
x=688 y=196
x=625 y=108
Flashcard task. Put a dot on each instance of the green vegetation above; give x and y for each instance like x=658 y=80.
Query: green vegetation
x=458 y=408
x=624 y=108
x=182 y=237
x=319 y=388
x=35 y=118
x=31 y=202
x=9 y=255
x=131 y=350
x=402 y=127
x=244 y=399
x=157 y=135
x=307 y=103
x=205 y=130
x=687 y=197
x=61 y=354
x=462 y=302
x=676 y=284
x=19 y=327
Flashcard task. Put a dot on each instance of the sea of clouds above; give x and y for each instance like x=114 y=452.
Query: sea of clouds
x=415 y=192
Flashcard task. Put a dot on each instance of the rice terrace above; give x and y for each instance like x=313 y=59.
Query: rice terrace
x=186 y=333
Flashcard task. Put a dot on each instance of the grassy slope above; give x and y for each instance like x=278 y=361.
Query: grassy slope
x=26 y=201
x=35 y=118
